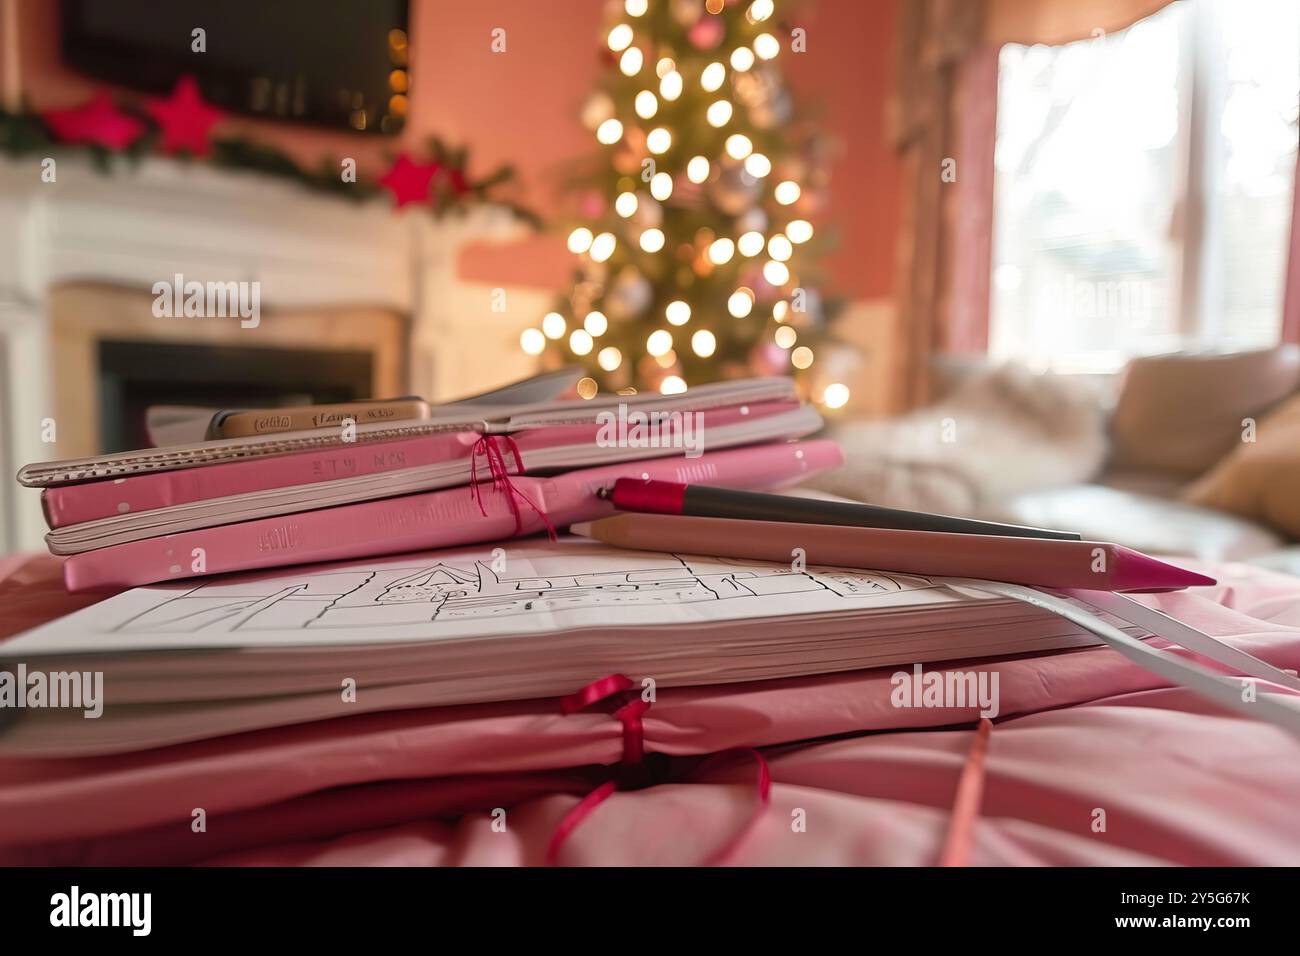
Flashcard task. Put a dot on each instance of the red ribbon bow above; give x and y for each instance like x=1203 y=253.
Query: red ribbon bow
x=488 y=446
x=957 y=846
x=629 y=714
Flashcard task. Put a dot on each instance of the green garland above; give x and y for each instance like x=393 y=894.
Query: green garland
x=24 y=134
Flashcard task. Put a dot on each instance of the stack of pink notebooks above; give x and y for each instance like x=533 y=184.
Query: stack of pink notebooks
x=466 y=473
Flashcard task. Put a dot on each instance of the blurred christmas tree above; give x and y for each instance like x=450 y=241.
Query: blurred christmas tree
x=695 y=259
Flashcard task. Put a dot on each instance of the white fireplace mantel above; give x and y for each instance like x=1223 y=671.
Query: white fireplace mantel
x=143 y=224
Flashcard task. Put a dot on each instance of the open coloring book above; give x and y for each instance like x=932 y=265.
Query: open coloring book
x=476 y=594
x=490 y=623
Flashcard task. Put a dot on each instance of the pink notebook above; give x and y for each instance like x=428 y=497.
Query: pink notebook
x=444 y=458
x=514 y=420
x=92 y=500
x=434 y=519
x=454 y=459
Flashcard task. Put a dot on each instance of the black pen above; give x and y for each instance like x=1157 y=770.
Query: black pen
x=703 y=501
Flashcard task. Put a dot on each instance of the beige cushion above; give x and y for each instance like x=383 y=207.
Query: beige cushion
x=1260 y=480
x=1182 y=413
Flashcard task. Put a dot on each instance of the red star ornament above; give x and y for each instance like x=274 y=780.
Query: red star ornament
x=97 y=123
x=185 y=119
x=409 y=181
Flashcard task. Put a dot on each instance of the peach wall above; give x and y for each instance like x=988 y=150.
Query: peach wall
x=847 y=75
x=521 y=107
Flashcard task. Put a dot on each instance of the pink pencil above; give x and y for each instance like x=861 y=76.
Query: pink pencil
x=1039 y=562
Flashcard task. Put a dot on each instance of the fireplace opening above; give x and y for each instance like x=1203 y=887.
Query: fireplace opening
x=135 y=375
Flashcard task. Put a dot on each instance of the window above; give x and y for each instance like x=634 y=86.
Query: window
x=1143 y=186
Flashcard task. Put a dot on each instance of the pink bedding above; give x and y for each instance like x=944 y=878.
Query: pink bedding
x=1091 y=760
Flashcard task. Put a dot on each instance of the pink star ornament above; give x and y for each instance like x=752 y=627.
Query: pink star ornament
x=409 y=181
x=185 y=119
x=97 y=123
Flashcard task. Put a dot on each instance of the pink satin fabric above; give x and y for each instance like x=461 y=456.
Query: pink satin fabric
x=1092 y=760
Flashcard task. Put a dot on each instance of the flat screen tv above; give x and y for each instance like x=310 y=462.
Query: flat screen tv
x=340 y=63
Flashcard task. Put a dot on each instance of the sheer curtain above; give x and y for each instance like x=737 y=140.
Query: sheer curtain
x=1156 y=159
x=944 y=120
x=1291 y=310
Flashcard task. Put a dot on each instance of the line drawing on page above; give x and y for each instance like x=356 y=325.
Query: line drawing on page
x=465 y=587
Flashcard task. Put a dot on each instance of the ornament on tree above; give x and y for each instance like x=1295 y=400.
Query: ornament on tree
x=584 y=294
x=408 y=180
x=769 y=103
x=753 y=220
x=648 y=215
x=686 y=194
x=184 y=119
x=706 y=33
x=631 y=152
x=734 y=191
x=630 y=295
x=771 y=359
x=686 y=12
x=592 y=205
x=97 y=123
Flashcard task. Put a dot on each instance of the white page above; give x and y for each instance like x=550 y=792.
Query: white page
x=481 y=592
